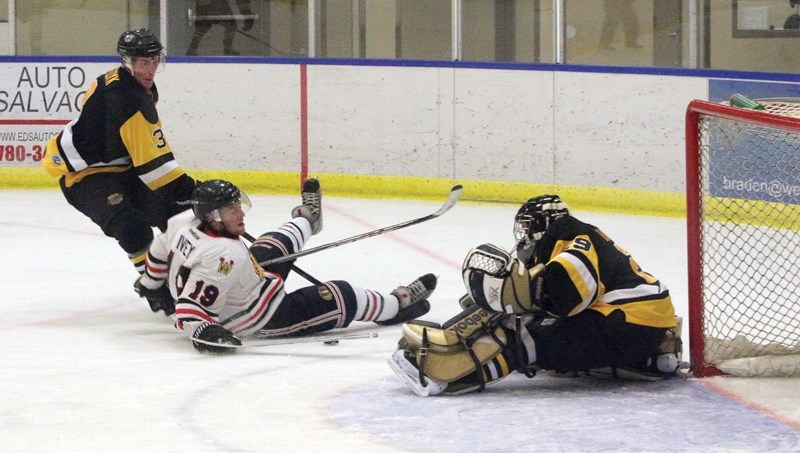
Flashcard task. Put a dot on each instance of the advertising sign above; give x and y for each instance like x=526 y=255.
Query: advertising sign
x=753 y=162
x=36 y=101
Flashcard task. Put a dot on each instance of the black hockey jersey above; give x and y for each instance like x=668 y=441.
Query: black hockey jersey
x=586 y=270
x=118 y=129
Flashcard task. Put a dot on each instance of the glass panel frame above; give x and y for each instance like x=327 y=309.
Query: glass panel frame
x=708 y=34
x=752 y=19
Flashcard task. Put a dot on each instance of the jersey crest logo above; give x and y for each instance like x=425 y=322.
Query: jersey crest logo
x=224 y=267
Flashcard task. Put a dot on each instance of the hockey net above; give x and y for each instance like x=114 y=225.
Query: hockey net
x=743 y=234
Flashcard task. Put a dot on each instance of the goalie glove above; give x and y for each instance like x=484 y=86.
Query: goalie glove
x=499 y=283
x=215 y=333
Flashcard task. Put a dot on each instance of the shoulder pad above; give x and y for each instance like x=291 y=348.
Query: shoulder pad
x=567 y=227
x=109 y=78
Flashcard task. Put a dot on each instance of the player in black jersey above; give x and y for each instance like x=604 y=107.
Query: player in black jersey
x=113 y=162
x=570 y=301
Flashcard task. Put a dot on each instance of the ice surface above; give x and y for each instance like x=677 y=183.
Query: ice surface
x=87 y=367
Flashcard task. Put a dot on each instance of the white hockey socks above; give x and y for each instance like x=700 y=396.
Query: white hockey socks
x=373 y=305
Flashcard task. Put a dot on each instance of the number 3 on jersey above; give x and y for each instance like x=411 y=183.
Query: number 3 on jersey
x=204 y=294
x=161 y=142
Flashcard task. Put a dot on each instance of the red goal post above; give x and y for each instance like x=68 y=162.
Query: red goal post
x=743 y=238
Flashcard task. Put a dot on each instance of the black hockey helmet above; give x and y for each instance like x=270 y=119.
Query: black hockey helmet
x=139 y=43
x=534 y=217
x=213 y=194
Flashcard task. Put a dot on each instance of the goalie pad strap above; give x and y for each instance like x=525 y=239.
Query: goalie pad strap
x=423 y=353
x=480 y=367
x=475 y=361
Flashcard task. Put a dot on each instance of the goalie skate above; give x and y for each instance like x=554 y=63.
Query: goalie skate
x=400 y=364
x=664 y=364
x=311 y=209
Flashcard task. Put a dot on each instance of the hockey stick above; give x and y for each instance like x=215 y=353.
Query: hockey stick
x=264 y=43
x=299 y=271
x=276 y=341
x=452 y=199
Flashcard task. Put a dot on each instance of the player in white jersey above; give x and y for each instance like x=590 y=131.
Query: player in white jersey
x=222 y=293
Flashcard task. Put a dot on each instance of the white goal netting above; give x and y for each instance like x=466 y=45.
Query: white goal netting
x=747 y=237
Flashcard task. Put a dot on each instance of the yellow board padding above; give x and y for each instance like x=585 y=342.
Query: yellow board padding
x=750 y=212
x=625 y=201
x=26 y=178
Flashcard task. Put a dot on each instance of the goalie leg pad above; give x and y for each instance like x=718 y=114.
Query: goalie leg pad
x=404 y=365
x=490 y=373
x=465 y=354
x=449 y=352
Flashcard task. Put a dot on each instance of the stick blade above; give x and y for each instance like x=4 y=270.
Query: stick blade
x=452 y=199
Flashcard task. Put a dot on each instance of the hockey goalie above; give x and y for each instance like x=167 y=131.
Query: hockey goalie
x=569 y=300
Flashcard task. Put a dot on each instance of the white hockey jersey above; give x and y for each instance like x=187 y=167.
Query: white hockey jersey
x=215 y=279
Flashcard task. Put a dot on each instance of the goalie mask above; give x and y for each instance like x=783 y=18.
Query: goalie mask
x=534 y=218
x=210 y=196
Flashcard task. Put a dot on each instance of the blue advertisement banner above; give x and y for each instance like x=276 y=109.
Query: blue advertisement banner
x=753 y=162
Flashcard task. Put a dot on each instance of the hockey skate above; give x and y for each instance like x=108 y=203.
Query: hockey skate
x=413 y=300
x=670 y=351
x=666 y=362
x=311 y=209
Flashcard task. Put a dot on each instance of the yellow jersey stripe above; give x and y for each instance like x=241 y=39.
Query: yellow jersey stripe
x=638 y=292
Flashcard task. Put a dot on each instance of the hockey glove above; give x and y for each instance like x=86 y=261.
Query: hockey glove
x=181 y=189
x=215 y=333
x=499 y=283
x=158 y=299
